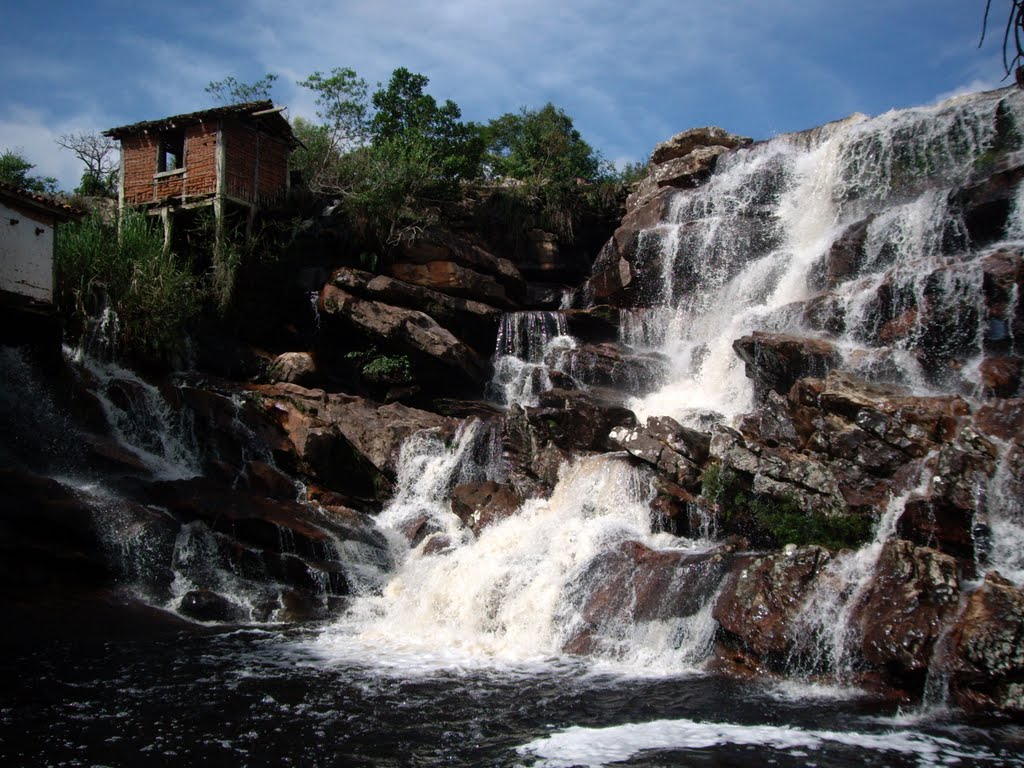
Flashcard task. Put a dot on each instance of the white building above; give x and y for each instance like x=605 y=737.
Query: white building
x=27 y=225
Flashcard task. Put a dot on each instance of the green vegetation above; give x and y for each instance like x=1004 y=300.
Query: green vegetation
x=378 y=368
x=775 y=522
x=396 y=157
x=153 y=293
x=14 y=169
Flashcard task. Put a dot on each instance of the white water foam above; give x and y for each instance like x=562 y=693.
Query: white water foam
x=509 y=596
x=579 y=746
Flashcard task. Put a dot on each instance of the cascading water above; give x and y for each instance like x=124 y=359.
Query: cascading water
x=522 y=584
x=524 y=353
x=743 y=251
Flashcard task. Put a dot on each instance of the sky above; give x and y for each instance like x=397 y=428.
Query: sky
x=630 y=73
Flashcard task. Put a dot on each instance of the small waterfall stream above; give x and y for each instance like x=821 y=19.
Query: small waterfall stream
x=524 y=355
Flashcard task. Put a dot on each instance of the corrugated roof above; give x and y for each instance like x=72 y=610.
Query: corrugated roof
x=261 y=111
x=46 y=202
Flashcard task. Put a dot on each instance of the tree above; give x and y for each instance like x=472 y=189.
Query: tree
x=97 y=152
x=14 y=170
x=341 y=99
x=1014 y=26
x=232 y=91
x=540 y=144
x=409 y=120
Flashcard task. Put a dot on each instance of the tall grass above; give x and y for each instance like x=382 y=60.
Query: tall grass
x=152 y=291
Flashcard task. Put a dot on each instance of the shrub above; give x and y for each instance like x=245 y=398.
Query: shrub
x=128 y=271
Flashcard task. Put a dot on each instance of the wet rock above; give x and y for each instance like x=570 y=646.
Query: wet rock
x=321 y=450
x=776 y=360
x=1003 y=419
x=986 y=204
x=843 y=259
x=608 y=365
x=760 y=603
x=912 y=594
x=294 y=368
x=595 y=324
x=675 y=451
x=617 y=278
x=480 y=503
x=911 y=424
x=986 y=649
x=49 y=540
x=575 y=420
x=1001 y=376
x=267 y=480
x=207 y=605
x=632 y=584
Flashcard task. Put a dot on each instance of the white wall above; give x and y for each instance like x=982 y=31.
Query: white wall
x=26 y=258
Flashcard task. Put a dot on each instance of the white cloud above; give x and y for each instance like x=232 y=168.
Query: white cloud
x=33 y=135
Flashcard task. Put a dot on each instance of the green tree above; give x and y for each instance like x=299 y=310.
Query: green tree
x=233 y=91
x=408 y=120
x=325 y=159
x=540 y=144
x=14 y=169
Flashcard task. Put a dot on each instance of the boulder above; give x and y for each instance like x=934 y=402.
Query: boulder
x=690 y=170
x=760 y=603
x=843 y=259
x=452 y=278
x=686 y=142
x=901 y=616
x=207 y=605
x=632 y=584
x=432 y=348
x=986 y=649
x=675 y=451
x=293 y=368
x=608 y=364
x=1001 y=376
x=480 y=503
x=776 y=360
x=438 y=246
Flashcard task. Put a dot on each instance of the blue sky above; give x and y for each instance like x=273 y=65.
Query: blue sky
x=631 y=74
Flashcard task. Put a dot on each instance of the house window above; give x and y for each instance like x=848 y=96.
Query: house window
x=171 y=153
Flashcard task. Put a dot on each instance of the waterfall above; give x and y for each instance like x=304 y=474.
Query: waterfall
x=519 y=592
x=524 y=355
x=747 y=249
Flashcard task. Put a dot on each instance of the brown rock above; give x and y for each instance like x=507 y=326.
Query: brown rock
x=777 y=360
x=478 y=504
x=633 y=583
x=760 y=603
x=1001 y=376
x=411 y=332
x=913 y=592
x=684 y=143
x=293 y=368
x=986 y=649
x=689 y=171
x=454 y=279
